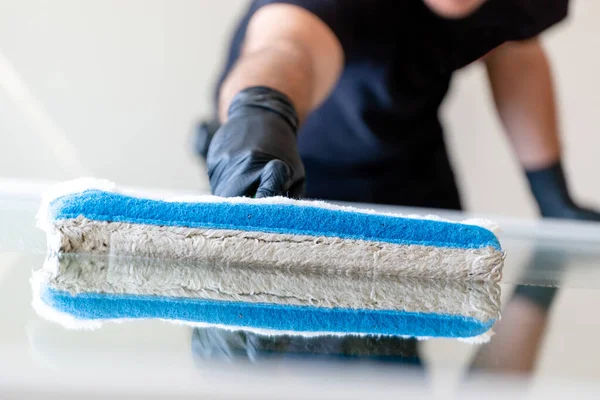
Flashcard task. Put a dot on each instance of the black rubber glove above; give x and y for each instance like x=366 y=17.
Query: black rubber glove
x=543 y=296
x=549 y=188
x=543 y=260
x=205 y=131
x=255 y=152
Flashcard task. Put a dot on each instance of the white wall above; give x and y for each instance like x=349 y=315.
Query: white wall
x=122 y=81
x=111 y=88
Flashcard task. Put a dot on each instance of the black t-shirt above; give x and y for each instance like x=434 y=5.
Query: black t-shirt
x=377 y=138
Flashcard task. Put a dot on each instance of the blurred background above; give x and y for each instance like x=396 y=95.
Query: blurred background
x=113 y=89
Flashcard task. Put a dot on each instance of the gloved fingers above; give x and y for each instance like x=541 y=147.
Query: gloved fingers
x=274 y=179
x=297 y=190
x=244 y=184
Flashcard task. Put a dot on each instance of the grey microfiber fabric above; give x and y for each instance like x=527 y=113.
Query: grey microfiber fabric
x=238 y=282
x=294 y=252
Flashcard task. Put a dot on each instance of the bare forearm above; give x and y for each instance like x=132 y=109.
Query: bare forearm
x=522 y=85
x=301 y=58
x=281 y=67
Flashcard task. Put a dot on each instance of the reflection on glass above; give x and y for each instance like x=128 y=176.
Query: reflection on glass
x=515 y=347
x=220 y=344
x=72 y=289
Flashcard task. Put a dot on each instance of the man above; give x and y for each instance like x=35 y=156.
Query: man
x=338 y=99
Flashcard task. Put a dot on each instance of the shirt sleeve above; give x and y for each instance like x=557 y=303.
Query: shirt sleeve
x=535 y=16
x=348 y=19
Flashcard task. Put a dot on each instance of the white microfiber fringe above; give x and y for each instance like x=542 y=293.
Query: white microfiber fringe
x=43 y=217
x=83 y=184
x=481 y=222
x=38 y=282
x=479 y=339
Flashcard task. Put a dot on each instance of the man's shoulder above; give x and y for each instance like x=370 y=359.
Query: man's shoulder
x=522 y=19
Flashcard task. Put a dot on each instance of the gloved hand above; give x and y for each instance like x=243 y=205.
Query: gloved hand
x=255 y=151
x=549 y=188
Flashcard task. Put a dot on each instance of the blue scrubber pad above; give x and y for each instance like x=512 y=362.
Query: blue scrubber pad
x=278 y=235
x=296 y=218
x=298 y=319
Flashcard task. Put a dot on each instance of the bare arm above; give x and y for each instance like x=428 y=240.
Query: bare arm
x=288 y=49
x=523 y=91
